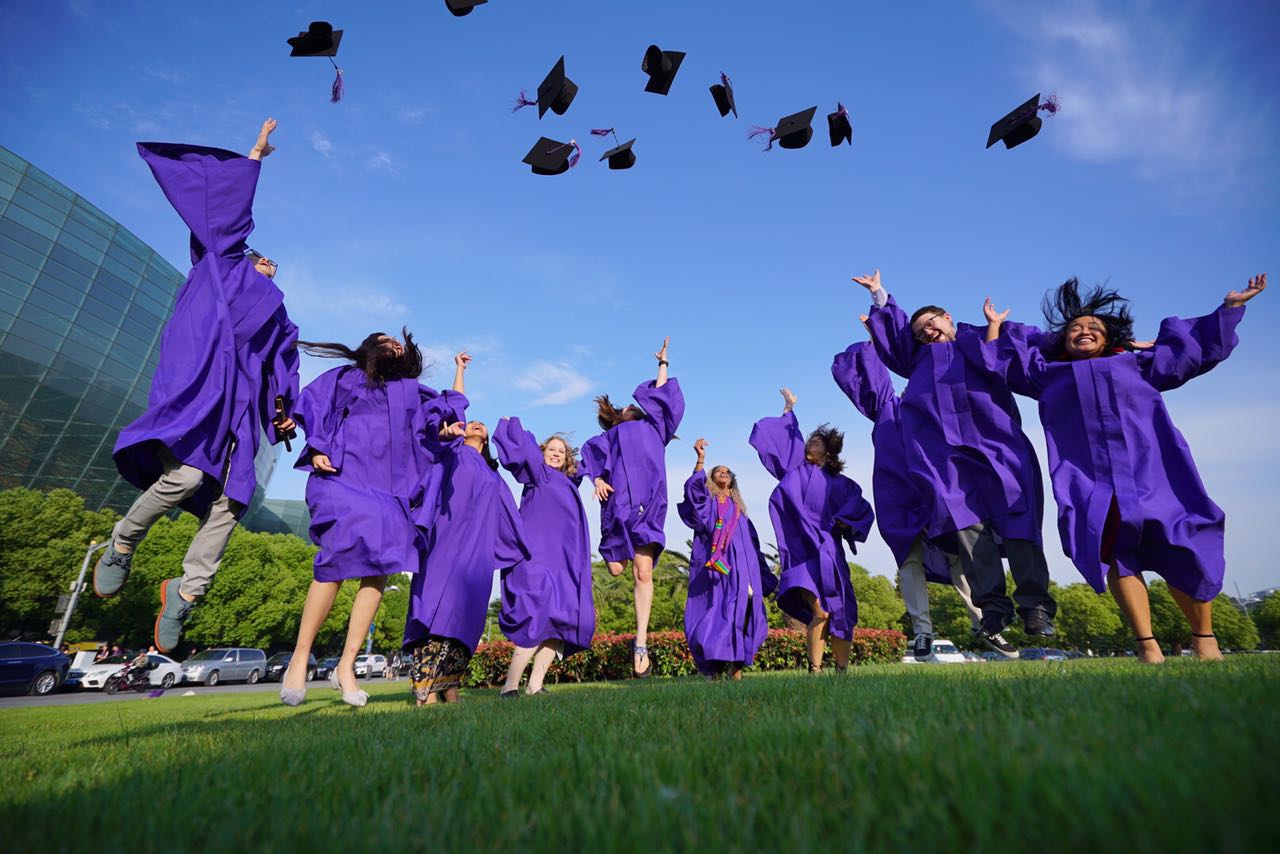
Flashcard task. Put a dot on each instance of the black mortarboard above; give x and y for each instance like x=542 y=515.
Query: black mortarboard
x=321 y=39
x=839 y=126
x=793 y=131
x=463 y=7
x=1023 y=123
x=722 y=92
x=552 y=157
x=661 y=66
x=621 y=157
x=555 y=93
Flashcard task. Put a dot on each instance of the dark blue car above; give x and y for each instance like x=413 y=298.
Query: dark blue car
x=34 y=668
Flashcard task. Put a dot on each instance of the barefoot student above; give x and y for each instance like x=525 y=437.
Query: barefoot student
x=226 y=354
x=547 y=611
x=473 y=530
x=813 y=508
x=365 y=425
x=627 y=464
x=901 y=513
x=1130 y=498
x=724 y=617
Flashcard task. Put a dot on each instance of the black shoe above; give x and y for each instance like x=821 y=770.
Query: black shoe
x=539 y=693
x=509 y=695
x=996 y=641
x=922 y=647
x=1038 y=624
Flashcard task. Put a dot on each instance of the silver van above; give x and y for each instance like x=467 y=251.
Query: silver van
x=225 y=664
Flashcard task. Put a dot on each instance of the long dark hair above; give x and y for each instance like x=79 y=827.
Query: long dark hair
x=833 y=442
x=609 y=416
x=377 y=364
x=1065 y=303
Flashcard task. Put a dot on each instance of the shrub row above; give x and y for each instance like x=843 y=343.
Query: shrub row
x=610 y=656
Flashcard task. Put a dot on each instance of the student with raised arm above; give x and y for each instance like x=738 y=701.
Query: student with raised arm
x=226 y=355
x=970 y=460
x=547 y=610
x=365 y=424
x=1130 y=498
x=724 y=616
x=813 y=508
x=627 y=463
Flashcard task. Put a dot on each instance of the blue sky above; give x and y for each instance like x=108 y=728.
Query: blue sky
x=407 y=202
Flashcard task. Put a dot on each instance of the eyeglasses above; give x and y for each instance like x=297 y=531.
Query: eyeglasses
x=927 y=326
x=256 y=256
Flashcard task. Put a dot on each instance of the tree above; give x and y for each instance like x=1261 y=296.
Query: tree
x=1086 y=619
x=1234 y=628
x=1267 y=619
x=879 y=605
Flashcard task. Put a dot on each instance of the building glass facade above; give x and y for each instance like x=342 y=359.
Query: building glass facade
x=82 y=305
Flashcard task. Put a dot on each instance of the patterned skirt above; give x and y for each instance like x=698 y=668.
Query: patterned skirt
x=438 y=665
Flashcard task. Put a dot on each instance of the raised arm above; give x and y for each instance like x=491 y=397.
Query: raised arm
x=663 y=406
x=695 y=509
x=460 y=363
x=662 y=363
x=519 y=453
x=1185 y=349
x=1012 y=357
x=262 y=147
x=864 y=379
x=778 y=441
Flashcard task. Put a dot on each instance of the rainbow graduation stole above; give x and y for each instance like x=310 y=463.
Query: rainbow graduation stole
x=721 y=538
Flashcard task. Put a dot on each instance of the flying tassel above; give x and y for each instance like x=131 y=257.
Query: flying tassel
x=840 y=110
x=523 y=101
x=577 y=152
x=1051 y=104
x=338 y=87
x=605 y=132
x=757 y=131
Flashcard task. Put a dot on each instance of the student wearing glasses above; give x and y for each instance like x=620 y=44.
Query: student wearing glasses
x=968 y=454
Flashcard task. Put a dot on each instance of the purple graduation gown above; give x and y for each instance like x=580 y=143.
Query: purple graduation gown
x=723 y=622
x=901 y=513
x=229 y=347
x=1110 y=437
x=631 y=457
x=548 y=597
x=966 y=450
x=806 y=507
x=360 y=517
x=473 y=530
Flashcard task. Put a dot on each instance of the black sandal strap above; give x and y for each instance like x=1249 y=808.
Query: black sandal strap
x=1144 y=640
x=1195 y=635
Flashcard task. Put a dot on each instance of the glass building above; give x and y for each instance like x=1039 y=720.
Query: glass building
x=82 y=305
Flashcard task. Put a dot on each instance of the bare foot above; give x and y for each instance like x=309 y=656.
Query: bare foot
x=1206 y=649
x=1149 y=652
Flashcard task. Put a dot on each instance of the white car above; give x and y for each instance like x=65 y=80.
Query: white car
x=371 y=665
x=944 y=652
x=165 y=672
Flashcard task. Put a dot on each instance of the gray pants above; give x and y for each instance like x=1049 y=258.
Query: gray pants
x=915 y=589
x=980 y=556
x=204 y=555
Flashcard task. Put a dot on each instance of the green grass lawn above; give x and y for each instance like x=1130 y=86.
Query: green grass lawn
x=1033 y=756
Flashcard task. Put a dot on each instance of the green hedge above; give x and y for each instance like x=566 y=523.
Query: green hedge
x=610 y=656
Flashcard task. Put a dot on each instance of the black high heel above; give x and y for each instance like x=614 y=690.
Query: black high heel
x=642 y=651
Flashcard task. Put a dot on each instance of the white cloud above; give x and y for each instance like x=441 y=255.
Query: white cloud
x=321 y=143
x=415 y=115
x=384 y=162
x=555 y=382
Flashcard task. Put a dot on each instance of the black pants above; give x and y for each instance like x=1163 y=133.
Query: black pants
x=980 y=557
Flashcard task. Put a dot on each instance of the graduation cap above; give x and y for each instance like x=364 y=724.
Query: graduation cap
x=793 y=131
x=321 y=39
x=722 y=93
x=839 y=126
x=552 y=157
x=463 y=7
x=1023 y=123
x=620 y=156
x=661 y=66
x=555 y=93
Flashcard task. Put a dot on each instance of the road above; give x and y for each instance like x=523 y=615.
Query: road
x=78 y=696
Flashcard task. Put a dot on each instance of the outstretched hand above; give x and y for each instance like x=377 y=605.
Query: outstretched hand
x=454 y=430
x=462 y=360
x=603 y=489
x=700 y=448
x=871 y=283
x=661 y=355
x=864 y=318
x=1235 y=299
x=993 y=316
x=262 y=147
x=322 y=463
x=788 y=400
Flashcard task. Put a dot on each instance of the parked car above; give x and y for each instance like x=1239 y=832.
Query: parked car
x=279 y=663
x=33 y=667
x=991 y=655
x=370 y=666
x=225 y=664
x=325 y=666
x=1040 y=653
x=944 y=652
x=165 y=672
x=974 y=658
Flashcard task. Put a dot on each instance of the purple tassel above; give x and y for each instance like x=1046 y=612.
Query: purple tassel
x=757 y=131
x=159 y=692
x=1051 y=104
x=523 y=101
x=338 y=87
x=601 y=131
x=577 y=152
x=840 y=110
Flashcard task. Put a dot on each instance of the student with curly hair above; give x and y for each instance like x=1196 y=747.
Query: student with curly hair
x=1130 y=498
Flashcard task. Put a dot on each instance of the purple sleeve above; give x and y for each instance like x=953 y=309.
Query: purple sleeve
x=447 y=407
x=767 y=579
x=519 y=453
x=280 y=371
x=695 y=509
x=594 y=460
x=1013 y=358
x=509 y=544
x=1185 y=349
x=854 y=513
x=863 y=378
x=663 y=406
x=314 y=411
x=211 y=189
x=779 y=444
x=891 y=336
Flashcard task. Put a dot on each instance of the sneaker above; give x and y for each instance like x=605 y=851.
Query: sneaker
x=173 y=613
x=509 y=695
x=1038 y=624
x=111 y=571
x=922 y=646
x=996 y=641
